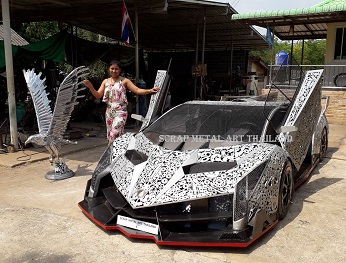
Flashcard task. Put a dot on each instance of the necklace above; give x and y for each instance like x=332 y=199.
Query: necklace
x=113 y=81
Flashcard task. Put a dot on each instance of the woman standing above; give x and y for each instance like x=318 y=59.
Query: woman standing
x=113 y=91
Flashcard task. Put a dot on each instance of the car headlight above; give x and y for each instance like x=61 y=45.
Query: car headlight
x=102 y=169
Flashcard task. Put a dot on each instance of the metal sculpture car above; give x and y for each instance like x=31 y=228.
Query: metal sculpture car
x=209 y=173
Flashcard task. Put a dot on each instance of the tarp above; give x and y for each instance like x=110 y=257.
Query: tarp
x=52 y=48
x=76 y=51
x=83 y=52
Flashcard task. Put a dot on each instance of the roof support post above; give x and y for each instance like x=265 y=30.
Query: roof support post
x=203 y=49
x=230 y=73
x=137 y=56
x=196 y=60
x=272 y=51
x=203 y=40
x=197 y=42
x=290 y=64
x=137 y=44
x=9 y=73
x=302 y=58
x=302 y=55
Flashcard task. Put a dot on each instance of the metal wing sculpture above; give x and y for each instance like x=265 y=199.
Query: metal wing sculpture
x=53 y=125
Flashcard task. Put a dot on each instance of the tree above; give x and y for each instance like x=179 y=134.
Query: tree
x=314 y=51
x=36 y=31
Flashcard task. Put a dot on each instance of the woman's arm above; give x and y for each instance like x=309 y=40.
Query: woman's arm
x=129 y=84
x=96 y=93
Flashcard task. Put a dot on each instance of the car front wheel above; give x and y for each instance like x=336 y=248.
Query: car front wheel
x=286 y=189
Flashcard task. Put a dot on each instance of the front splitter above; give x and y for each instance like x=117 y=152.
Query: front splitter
x=132 y=233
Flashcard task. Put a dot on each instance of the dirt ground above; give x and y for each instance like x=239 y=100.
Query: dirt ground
x=41 y=222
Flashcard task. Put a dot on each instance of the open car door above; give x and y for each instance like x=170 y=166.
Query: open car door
x=157 y=100
x=302 y=117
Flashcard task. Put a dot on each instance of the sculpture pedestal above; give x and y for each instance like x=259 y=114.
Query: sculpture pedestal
x=52 y=175
x=61 y=171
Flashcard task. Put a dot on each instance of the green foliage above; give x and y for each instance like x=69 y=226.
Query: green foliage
x=314 y=51
x=98 y=70
x=36 y=31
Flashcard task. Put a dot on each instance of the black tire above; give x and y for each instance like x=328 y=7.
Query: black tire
x=324 y=144
x=286 y=190
x=340 y=80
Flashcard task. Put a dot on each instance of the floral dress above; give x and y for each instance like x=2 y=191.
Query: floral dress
x=116 y=113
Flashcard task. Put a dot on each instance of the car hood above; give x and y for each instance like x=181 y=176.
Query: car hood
x=147 y=174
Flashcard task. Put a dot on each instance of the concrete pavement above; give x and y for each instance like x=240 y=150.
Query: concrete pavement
x=41 y=222
x=90 y=136
x=30 y=155
x=93 y=135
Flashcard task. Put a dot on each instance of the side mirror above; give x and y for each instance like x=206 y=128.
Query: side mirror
x=326 y=104
x=138 y=117
x=285 y=129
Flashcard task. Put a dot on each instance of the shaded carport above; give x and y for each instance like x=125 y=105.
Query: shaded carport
x=161 y=25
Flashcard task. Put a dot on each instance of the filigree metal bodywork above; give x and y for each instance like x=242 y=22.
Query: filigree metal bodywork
x=52 y=125
x=304 y=115
x=157 y=100
x=209 y=173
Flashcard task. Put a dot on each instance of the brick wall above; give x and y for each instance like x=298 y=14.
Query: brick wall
x=336 y=112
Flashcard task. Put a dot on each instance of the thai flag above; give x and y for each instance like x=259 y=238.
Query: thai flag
x=125 y=32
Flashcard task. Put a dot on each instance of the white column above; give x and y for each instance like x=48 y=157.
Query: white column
x=9 y=73
x=137 y=56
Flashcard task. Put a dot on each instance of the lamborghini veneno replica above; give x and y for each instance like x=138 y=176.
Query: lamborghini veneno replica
x=209 y=173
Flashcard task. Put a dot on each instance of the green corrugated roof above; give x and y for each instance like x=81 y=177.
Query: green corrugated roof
x=323 y=7
x=329 y=2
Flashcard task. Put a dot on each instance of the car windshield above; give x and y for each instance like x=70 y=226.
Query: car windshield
x=221 y=120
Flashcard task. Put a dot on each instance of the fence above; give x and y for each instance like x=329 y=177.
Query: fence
x=290 y=75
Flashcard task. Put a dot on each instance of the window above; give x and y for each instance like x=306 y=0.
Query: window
x=340 y=44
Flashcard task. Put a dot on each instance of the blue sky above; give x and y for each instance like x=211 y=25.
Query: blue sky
x=246 y=6
x=249 y=6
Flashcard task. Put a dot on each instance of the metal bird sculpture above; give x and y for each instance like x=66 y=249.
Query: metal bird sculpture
x=52 y=125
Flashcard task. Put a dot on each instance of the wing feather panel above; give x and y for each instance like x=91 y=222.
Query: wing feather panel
x=37 y=89
x=66 y=101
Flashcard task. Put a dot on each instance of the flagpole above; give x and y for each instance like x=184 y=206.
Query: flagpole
x=273 y=49
x=270 y=38
x=135 y=34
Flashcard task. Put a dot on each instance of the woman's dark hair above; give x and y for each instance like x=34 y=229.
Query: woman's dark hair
x=116 y=62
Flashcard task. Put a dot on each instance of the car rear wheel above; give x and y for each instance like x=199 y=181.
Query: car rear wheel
x=286 y=190
x=324 y=144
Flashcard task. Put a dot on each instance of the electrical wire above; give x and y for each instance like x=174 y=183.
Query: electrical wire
x=25 y=154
